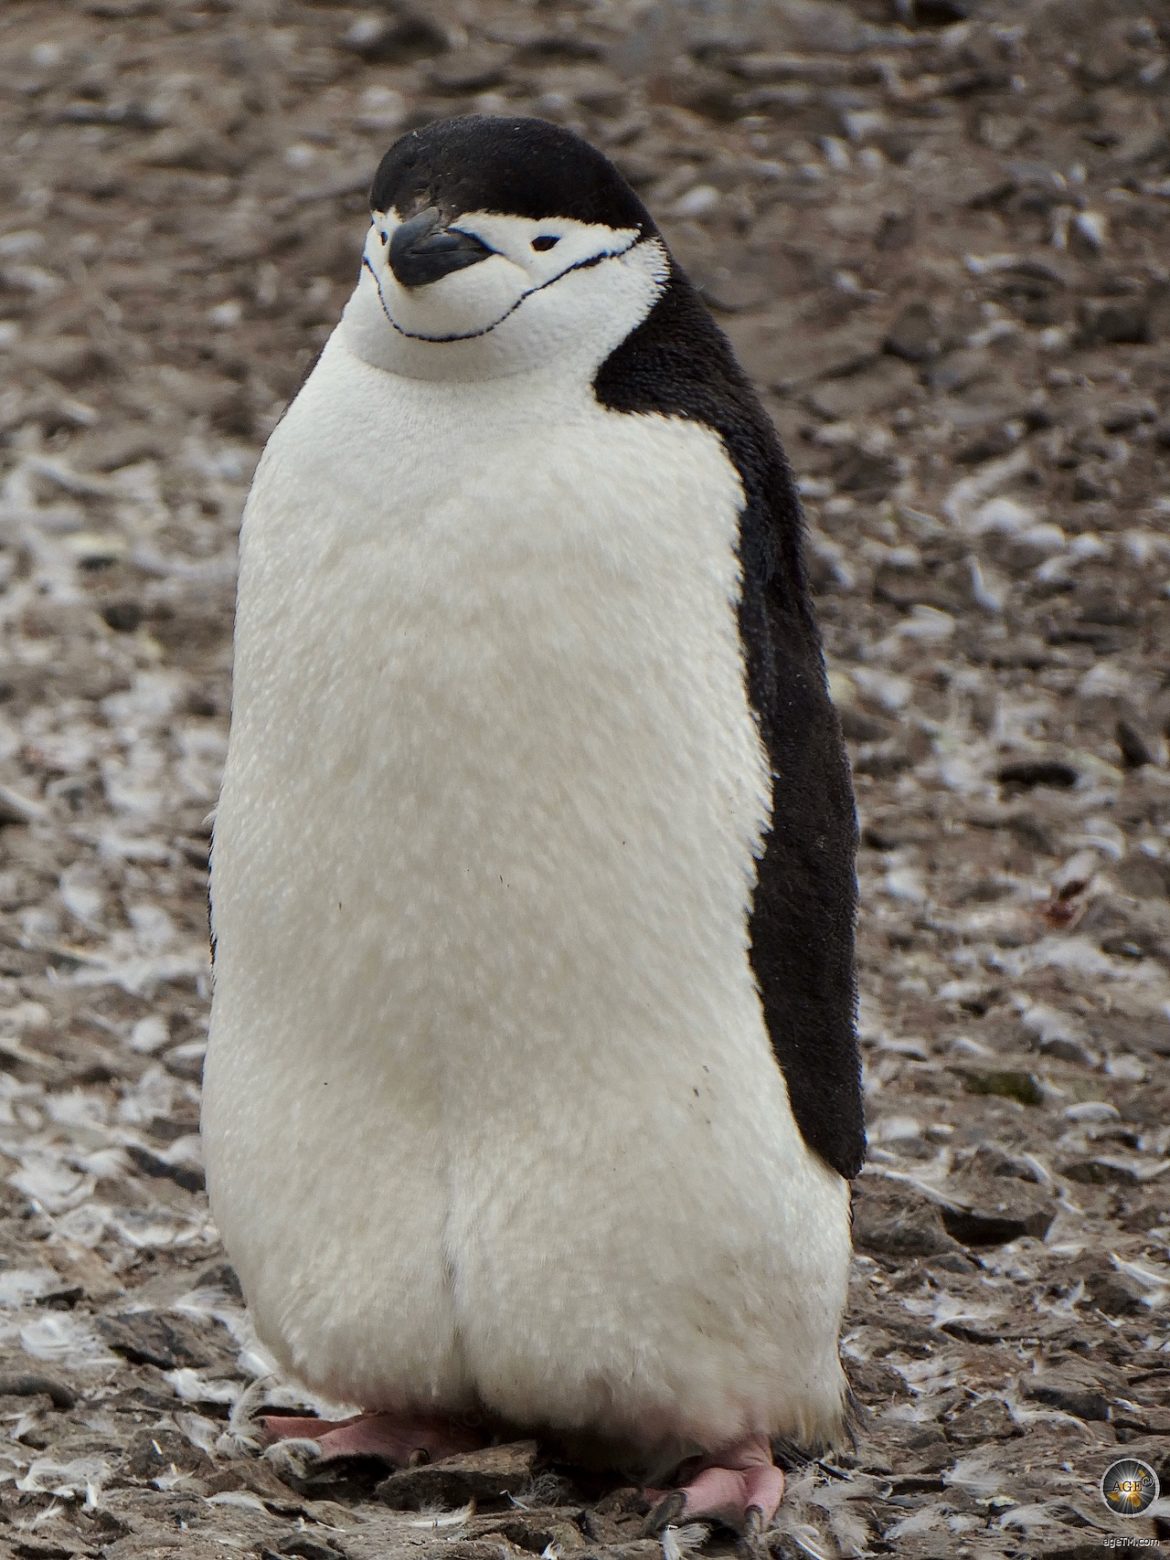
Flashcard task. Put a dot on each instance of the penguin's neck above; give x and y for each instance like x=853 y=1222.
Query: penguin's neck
x=447 y=413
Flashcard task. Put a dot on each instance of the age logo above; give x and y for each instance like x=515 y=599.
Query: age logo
x=1129 y=1486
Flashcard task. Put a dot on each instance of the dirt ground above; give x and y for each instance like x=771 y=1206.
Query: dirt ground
x=938 y=232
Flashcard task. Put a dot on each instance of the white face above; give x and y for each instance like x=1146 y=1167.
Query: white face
x=550 y=290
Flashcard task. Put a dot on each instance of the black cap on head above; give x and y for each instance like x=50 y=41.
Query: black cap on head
x=513 y=167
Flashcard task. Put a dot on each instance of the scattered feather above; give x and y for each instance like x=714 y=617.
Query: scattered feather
x=202 y=1433
x=438 y=1518
x=193 y=1386
x=66 y=1339
x=680 y=1541
x=977 y=1474
x=244 y=1499
x=20 y=1285
x=80 y=1478
x=925 y=1520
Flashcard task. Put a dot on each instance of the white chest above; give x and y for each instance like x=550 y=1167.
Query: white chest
x=482 y=637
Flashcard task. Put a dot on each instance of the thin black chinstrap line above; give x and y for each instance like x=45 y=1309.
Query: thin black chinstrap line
x=580 y=265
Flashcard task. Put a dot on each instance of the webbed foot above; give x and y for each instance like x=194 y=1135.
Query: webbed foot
x=397 y=1439
x=739 y=1486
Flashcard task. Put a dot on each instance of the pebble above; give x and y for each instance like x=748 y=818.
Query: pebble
x=892 y=1220
x=1092 y=1110
x=490 y=1474
x=914 y=334
x=380 y=108
x=699 y=201
x=1082 y=1402
x=1114 y=321
x=997 y=1216
x=473 y=69
x=401 y=38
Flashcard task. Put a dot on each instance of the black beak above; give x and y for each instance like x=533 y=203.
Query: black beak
x=422 y=250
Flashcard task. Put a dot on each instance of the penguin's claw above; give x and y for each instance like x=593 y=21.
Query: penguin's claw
x=664 y=1512
x=397 y=1439
x=755 y=1530
x=739 y=1486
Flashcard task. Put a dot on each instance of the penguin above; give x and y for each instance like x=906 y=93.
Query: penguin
x=532 y=1091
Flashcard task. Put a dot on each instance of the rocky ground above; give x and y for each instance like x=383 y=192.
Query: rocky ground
x=938 y=232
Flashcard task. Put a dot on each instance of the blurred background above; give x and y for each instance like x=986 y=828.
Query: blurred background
x=938 y=233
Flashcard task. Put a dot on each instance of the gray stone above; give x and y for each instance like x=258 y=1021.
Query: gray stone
x=489 y=1474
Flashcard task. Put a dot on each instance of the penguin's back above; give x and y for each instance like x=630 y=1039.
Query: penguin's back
x=492 y=1111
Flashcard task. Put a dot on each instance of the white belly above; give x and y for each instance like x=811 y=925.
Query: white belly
x=490 y=1109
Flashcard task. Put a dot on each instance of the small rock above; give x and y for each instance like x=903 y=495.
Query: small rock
x=537 y=1530
x=1116 y=1295
x=220 y=1275
x=148 y=1338
x=189 y=1177
x=729 y=290
x=258 y=1477
x=981 y=1423
x=70 y=360
x=1106 y=322
x=1135 y=752
x=471 y=70
x=858 y=470
x=825 y=70
x=892 y=1219
x=914 y=335
x=157 y=1450
x=1100 y=1172
x=566 y=46
x=884 y=383
x=399 y=39
x=933 y=13
x=1024 y=773
x=1090 y=484
x=998 y=1212
x=380 y=108
x=1122 y=416
x=929 y=1453
x=28 y=1383
x=123 y=614
x=489 y=1474
x=1035 y=292
x=1145 y=877
x=304 y=1546
x=990 y=443
x=1007 y=1083
x=1082 y=1402
x=862 y=726
x=702 y=200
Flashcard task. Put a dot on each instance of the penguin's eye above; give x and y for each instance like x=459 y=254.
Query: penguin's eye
x=545 y=241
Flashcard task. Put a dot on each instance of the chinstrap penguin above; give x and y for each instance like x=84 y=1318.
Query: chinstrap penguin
x=532 y=1092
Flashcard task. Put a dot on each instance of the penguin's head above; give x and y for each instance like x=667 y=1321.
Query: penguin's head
x=500 y=245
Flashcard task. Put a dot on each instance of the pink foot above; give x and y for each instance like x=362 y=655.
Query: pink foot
x=740 y=1486
x=393 y=1438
